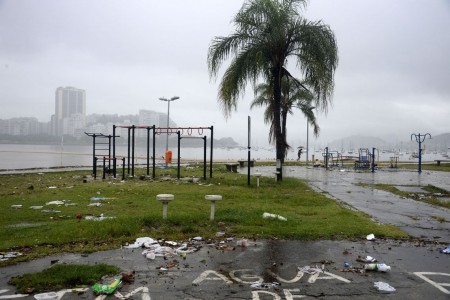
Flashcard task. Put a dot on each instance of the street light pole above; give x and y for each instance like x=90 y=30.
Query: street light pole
x=168 y=112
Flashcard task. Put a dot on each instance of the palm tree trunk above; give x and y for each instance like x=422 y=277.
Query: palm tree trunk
x=284 y=133
x=276 y=73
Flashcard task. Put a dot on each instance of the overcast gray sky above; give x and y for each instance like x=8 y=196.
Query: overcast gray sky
x=393 y=77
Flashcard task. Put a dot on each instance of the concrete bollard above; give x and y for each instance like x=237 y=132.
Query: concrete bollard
x=257 y=178
x=213 y=199
x=165 y=199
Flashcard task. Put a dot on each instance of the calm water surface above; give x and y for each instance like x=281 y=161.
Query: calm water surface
x=13 y=156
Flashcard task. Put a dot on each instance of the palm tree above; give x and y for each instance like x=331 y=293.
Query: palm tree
x=268 y=33
x=292 y=96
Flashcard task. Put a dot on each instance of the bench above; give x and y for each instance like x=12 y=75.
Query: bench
x=438 y=161
x=232 y=167
x=242 y=163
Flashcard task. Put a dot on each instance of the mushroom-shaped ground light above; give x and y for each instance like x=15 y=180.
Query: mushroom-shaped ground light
x=165 y=199
x=213 y=199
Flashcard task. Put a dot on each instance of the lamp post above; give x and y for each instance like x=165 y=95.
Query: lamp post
x=168 y=112
x=420 y=138
x=307 y=134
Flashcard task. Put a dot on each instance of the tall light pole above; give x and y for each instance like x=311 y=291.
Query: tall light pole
x=307 y=134
x=168 y=112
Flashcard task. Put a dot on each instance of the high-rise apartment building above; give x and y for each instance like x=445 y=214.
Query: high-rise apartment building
x=70 y=110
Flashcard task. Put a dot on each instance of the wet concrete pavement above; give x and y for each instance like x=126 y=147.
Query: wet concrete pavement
x=418 y=270
x=417 y=218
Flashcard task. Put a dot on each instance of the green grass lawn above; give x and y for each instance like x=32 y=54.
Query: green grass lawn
x=136 y=213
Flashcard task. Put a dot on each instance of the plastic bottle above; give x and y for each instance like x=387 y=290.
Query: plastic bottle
x=377 y=267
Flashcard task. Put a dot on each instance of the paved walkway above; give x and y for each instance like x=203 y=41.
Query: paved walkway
x=417 y=218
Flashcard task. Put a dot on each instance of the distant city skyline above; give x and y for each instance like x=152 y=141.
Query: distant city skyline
x=391 y=81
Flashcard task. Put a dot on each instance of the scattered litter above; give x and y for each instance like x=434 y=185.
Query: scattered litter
x=16 y=206
x=99 y=218
x=52 y=187
x=56 y=202
x=128 y=277
x=46 y=296
x=383 y=286
x=36 y=207
x=346 y=264
x=242 y=243
x=143 y=241
x=262 y=285
x=371 y=237
x=150 y=255
x=8 y=255
x=377 y=267
x=97 y=198
x=267 y=215
x=97 y=204
x=367 y=259
x=50 y=211
x=155 y=249
x=220 y=234
x=225 y=248
x=99 y=288
x=446 y=250
x=171 y=243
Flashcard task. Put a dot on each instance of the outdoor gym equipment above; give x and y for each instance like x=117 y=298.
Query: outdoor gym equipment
x=366 y=159
x=158 y=131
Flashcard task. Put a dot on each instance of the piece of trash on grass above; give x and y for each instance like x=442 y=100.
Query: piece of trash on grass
x=383 y=286
x=367 y=259
x=377 y=267
x=46 y=296
x=220 y=234
x=97 y=198
x=143 y=241
x=56 y=202
x=51 y=211
x=99 y=218
x=52 y=187
x=445 y=250
x=36 y=207
x=97 y=204
x=16 y=206
x=8 y=255
x=99 y=288
x=370 y=237
x=267 y=215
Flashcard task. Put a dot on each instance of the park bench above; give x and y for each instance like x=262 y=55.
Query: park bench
x=438 y=161
x=243 y=161
x=231 y=167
